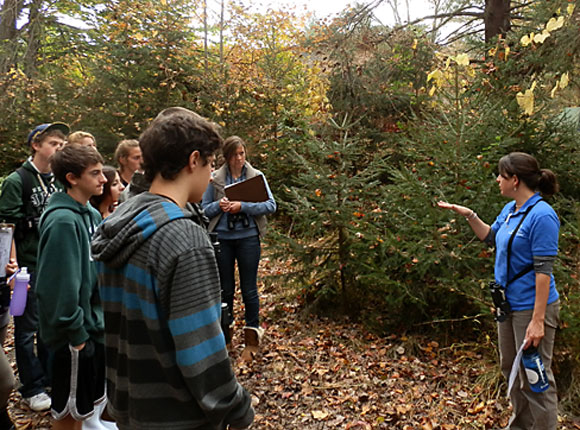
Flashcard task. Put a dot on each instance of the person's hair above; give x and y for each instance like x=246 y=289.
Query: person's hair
x=110 y=173
x=78 y=136
x=171 y=138
x=50 y=133
x=231 y=145
x=527 y=169
x=124 y=148
x=73 y=159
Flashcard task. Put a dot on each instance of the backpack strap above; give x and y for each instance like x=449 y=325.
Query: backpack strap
x=29 y=223
x=26 y=184
x=529 y=267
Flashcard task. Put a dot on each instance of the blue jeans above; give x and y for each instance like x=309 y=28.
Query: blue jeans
x=247 y=253
x=31 y=366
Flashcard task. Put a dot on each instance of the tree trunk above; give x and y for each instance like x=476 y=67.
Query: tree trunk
x=222 y=25
x=205 y=36
x=8 y=33
x=497 y=18
x=34 y=35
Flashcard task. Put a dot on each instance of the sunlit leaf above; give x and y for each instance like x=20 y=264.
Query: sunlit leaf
x=526 y=101
x=541 y=37
x=462 y=59
x=555 y=23
x=570 y=8
x=564 y=80
x=553 y=92
x=525 y=40
x=436 y=74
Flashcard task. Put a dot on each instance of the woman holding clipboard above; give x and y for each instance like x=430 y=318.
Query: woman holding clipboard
x=239 y=224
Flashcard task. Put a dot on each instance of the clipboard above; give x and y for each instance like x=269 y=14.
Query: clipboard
x=251 y=190
x=6 y=233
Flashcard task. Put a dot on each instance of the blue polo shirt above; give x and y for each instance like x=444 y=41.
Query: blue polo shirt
x=537 y=236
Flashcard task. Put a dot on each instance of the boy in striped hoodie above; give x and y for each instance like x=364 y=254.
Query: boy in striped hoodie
x=167 y=364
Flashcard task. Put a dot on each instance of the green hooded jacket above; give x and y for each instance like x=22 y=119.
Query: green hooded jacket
x=69 y=306
x=13 y=209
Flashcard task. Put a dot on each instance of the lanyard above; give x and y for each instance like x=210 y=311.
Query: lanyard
x=509 y=249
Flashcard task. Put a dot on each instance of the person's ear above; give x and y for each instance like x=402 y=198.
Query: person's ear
x=35 y=145
x=71 y=178
x=194 y=160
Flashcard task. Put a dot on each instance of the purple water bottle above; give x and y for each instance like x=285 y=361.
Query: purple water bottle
x=20 y=292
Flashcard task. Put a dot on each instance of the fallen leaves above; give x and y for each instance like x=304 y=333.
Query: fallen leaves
x=318 y=374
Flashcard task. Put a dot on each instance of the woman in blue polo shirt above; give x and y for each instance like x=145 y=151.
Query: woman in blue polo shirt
x=531 y=290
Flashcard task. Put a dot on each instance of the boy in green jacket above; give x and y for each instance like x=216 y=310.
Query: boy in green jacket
x=70 y=313
x=25 y=193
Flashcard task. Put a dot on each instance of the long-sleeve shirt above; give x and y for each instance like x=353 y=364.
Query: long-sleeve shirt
x=167 y=364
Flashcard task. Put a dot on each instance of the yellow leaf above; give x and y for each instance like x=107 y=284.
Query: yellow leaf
x=564 y=80
x=432 y=91
x=507 y=52
x=447 y=63
x=435 y=74
x=526 y=101
x=492 y=52
x=525 y=40
x=553 y=93
x=570 y=8
x=540 y=38
x=555 y=24
x=414 y=44
x=462 y=59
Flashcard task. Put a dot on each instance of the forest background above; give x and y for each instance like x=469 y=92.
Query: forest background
x=359 y=127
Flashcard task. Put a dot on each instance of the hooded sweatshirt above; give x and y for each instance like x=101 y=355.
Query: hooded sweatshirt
x=167 y=365
x=69 y=307
x=14 y=210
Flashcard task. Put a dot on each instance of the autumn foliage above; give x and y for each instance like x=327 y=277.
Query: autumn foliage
x=359 y=127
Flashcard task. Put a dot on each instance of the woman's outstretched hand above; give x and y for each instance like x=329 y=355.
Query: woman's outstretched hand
x=460 y=210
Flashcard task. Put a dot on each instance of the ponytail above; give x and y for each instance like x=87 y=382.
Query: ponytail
x=548 y=184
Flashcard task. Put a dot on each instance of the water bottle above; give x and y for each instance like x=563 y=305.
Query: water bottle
x=20 y=292
x=535 y=371
x=225 y=322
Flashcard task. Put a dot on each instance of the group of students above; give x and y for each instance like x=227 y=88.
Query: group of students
x=138 y=297
x=131 y=294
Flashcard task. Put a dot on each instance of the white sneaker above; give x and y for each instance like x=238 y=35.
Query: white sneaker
x=38 y=402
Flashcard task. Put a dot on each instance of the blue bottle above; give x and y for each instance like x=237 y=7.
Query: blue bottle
x=535 y=371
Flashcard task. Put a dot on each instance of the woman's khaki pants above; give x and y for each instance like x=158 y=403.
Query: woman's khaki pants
x=531 y=411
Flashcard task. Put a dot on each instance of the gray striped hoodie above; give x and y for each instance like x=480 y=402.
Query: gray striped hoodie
x=167 y=364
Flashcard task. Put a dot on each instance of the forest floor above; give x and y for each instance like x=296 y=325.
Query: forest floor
x=315 y=373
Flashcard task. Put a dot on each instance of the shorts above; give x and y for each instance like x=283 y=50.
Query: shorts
x=78 y=380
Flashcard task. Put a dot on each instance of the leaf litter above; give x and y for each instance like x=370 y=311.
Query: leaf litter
x=315 y=373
